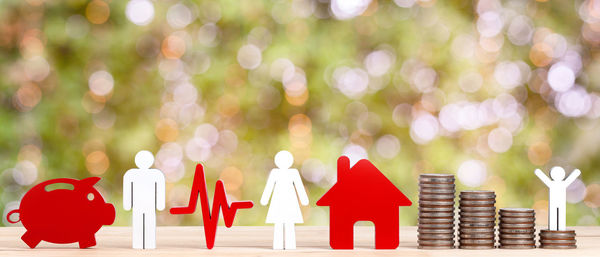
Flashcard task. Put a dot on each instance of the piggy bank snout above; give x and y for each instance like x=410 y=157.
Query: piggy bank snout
x=108 y=214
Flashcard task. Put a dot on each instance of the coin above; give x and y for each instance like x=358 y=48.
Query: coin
x=436 y=196
x=477 y=219
x=557 y=232
x=477 y=213
x=558 y=242
x=428 y=247
x=517 y=220
x=477 y=235
x=517 y=246
x=558 y=246
x=436 y=209
x=477 y=225
x=435 y=236
x=503 y=230
x=476 y=197
x=437 y=190
x=476 y=247
x=476 y=230
x=518 y=210
x=474 y=203
x=517 y=236
x=436 y=242
x=477 y=209
x=435 y=221
x=435 y=230
x=435 y=186
x=437 y=226
x=517 y=241
x=436 y=202
x=436 y=214
x=515 y=225
x=437 y=178
x=476 y=241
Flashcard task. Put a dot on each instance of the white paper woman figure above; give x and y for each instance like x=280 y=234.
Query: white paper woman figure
x=557 y=195
x=284 y=210
x=144 y=193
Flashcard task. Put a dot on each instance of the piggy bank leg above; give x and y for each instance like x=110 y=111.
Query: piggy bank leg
x=87 y=242
x=31 y=239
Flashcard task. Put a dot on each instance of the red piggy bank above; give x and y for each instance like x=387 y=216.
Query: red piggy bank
x=63 y=216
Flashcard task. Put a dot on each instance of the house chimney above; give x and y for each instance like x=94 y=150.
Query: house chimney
x=343 y=167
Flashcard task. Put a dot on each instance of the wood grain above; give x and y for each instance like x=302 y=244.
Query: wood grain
x=256 y=241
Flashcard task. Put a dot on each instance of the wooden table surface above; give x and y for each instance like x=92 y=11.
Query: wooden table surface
x=257 y=241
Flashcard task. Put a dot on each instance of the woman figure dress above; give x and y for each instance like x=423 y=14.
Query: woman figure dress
x=284 y=210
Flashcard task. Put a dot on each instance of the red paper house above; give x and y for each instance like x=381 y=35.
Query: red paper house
x=362 y=193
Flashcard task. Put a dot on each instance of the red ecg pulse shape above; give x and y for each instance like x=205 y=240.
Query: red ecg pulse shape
x=211 y=217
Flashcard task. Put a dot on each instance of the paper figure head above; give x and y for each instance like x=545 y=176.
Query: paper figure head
x=284 y=159
x=557 y=173
x=144 y=159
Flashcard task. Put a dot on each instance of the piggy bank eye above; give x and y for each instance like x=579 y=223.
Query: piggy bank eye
x=90 y=196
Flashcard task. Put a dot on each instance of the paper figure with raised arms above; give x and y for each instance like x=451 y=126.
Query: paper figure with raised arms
x=284 y=187
x=144 y=193
x=557 y=195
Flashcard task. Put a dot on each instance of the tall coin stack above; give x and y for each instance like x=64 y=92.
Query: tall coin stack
x=517 y=228
x=436 y=211
x=557 y=239
x=477 y=219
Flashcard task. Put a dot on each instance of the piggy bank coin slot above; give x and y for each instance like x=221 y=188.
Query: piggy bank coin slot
x=90 y=196
x=56 y=186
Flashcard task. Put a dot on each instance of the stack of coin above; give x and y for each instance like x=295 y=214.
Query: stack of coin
x=436 y=211
x=477 y=219
x=517 y=228
x=557 y=239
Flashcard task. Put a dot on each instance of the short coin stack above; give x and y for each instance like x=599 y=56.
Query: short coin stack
x=477 y=219
x=517 y=228
x=436 y=211
x=557 y=239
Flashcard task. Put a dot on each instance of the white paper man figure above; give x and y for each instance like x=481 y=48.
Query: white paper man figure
x=284 y=210
x=557 y=195
x=144 y=193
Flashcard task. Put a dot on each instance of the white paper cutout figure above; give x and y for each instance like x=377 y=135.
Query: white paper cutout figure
x=284 y=210
x=557 y=195
x=144 y=193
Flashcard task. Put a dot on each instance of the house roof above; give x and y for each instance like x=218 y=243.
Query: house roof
x=364 y=184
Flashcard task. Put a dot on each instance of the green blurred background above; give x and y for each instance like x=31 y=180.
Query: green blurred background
x=487 y=90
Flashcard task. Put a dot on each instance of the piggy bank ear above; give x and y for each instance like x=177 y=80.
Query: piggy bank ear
x=91 y=181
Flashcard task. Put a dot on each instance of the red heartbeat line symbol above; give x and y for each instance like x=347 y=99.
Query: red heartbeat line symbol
x=211 y=218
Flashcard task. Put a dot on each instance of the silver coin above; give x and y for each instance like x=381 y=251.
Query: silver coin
x=435 y=236
x=436 y=186
x=436 y=242
x=478 y=209
x=515 y=225
x=473 y=203
x=477 y=225
x=437 y=190
x=477 y=197
x=556 y=232
x=435 y=221
x=436 y=209
x=476 y=230
x=476 y=247
x=517 y=236
x=503 y=230
x=477 y=235
x=558 y=246
x=518 y=210
x=436 y=175
x=558 y=242
x=517 y=241
x=436 y=196
x=437 y=226
x=436 y=203
x=477 y=192
x=476 y=241
x=477 y=219
x=428 y=247
x=463 y=213
x=517 y=246
x=517 y=220
x=434 y=231
x=515 y=215
x=437 y=179
x=436 y=214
